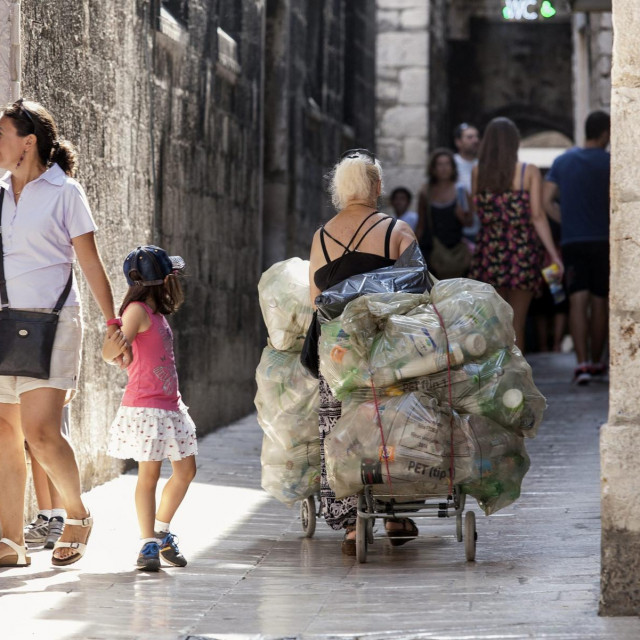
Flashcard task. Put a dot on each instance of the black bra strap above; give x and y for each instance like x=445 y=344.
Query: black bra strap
x=353 y=237
x=323 y=245
x=364 y=235
x=387 y=239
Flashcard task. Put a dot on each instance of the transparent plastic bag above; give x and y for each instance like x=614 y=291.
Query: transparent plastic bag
x=417 y=435
x=283 y=292
x=500 y=468
x=293 y=474
x=396 y=337
x=346 y=341
x=287 y=399
x=500 y=388
x=489 y=460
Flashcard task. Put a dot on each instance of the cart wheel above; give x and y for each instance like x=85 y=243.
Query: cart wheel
x=459 y=527
x=308 y=516
x=361 y=538
x=370 y=523
x=470 y=536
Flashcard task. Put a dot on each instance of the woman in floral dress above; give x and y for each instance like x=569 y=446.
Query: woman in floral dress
x=514 y=228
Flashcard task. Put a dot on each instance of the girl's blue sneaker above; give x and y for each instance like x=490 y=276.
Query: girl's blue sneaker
x=169 y=551
x=149 y=557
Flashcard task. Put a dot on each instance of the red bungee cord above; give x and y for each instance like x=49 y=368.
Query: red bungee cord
x=385 y=453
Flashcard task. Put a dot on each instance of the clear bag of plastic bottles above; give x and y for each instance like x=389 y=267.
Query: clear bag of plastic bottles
x=292 y=474
x=500 y=388
x=417 y=451
x=489 y=460
x=287 y=399
x=390 y=338
x=500 y=468
x=283 y=292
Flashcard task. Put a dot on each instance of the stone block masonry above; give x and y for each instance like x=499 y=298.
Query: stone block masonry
x=620 y=437
x=402 y=60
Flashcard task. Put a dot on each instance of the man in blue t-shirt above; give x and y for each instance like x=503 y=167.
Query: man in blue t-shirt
x=576 y=194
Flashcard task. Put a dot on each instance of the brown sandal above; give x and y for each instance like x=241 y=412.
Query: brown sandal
x=408 y=532
x=348 y=544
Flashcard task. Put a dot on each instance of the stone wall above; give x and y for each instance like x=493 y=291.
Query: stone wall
x=620 y=437
x=592 y=45
x=402 y=62
x=319 y=85
x=167 y=118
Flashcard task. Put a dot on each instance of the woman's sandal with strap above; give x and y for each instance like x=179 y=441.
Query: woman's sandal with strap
x=79 y=547
x=19 y=559
x=400 y=536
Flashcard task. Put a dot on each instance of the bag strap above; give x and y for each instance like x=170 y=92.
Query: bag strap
x=4 y=297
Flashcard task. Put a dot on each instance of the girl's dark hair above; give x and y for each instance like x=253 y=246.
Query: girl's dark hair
x=32 y=118
x=433 y=159
x=167 y=297
x=498 y=156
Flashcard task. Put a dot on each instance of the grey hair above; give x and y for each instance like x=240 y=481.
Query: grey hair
x=354 y=178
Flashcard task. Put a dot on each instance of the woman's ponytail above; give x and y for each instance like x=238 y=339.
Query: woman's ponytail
x=63 y=153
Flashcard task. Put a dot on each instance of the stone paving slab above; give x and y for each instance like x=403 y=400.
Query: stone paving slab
x=252 y=574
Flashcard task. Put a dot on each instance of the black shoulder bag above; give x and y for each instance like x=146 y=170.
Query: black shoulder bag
x=26 y=337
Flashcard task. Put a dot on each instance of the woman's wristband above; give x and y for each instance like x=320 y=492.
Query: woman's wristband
x=114 y=321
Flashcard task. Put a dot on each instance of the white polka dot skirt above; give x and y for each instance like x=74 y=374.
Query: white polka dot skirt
x=146 y=434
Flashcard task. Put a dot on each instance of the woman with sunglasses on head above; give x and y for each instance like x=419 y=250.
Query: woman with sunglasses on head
x=46 y=224
x=358 y=239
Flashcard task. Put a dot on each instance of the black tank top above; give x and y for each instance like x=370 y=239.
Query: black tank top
x=352 y=261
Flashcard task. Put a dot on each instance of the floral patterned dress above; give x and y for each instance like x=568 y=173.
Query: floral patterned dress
x=508 y=251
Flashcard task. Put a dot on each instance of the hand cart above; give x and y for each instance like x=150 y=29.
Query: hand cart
x=386 y=506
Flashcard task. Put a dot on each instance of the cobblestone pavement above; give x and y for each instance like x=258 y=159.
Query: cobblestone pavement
x=253 y=575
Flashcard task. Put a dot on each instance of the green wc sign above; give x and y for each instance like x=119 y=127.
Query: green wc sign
x=528 y=9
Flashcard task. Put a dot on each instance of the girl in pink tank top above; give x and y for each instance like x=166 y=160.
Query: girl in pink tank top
x=152 y=422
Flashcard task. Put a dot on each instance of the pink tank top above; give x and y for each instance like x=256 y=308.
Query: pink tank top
x=153 y=379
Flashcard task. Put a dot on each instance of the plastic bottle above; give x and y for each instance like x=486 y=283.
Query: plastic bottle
x=551 y=277
x=421 y=366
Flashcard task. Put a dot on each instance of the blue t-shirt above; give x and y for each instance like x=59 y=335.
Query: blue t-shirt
x=582 y=176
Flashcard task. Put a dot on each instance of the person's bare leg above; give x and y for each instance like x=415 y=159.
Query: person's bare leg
x=148 y=475
x=184 y=471
x=519 y=300
x=599 y=326
x=13 y=476
x=41 y=413
x=41 y=485
x=56 y=498
x=578 y=324
x=542 y=331
x=559 y=329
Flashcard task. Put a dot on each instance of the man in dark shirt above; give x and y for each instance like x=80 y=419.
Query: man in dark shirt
x=579 y=180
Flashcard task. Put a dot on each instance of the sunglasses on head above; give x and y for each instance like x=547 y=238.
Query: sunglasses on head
x=24 y=110
x=354 y=153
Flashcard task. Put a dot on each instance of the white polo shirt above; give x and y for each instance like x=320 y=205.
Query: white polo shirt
x=36 y=237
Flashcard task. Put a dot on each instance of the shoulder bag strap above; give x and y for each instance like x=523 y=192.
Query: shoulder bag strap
x=4 y=298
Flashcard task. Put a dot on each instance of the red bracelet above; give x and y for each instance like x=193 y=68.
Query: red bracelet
x=115 y=321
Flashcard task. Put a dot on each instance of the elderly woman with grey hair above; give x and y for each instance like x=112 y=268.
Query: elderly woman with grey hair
x=356 y=240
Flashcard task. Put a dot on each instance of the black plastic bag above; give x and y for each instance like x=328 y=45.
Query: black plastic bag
x=408 y=274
